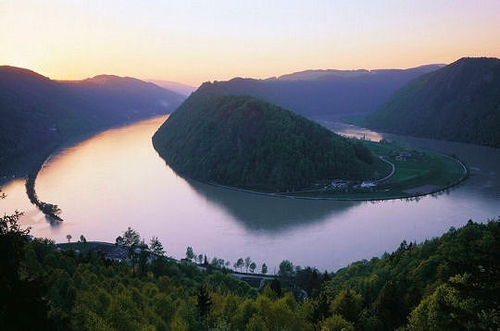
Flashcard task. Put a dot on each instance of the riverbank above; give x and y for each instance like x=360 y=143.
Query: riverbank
x=28 y=165
x=22 y=165
x=35 y=164
x=403 y=181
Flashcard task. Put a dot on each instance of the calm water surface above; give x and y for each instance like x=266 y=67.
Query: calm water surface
x=116 y=179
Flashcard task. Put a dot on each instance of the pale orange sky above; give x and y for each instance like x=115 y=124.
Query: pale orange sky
x=195 y=41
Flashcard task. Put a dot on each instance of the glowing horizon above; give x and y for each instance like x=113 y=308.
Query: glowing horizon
x=195 y=41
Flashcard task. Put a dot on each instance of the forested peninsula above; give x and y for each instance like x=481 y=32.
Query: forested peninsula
x=245 y=142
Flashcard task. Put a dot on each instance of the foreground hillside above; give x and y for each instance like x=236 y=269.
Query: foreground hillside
x=249 y=143
x=460 y=102
x=448 y=283
x=320 y=94
x=38 y=113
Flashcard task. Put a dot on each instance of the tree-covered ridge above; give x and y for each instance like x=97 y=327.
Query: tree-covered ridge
x=460 y=102
x=246 y=142
x=447 y=283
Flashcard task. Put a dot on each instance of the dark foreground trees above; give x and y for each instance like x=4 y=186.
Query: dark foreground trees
x=23 y=305
x=447 y=283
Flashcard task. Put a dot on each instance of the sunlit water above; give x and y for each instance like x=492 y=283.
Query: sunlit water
x=116 y=179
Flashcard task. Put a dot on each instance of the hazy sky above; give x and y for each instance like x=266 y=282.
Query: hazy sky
x=196 y=41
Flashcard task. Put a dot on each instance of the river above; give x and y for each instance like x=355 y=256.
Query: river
x=116 y=179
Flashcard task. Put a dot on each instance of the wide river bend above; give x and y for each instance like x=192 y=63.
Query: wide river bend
x=116 y=179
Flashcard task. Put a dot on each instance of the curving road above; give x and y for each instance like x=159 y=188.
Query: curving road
x=393 y=169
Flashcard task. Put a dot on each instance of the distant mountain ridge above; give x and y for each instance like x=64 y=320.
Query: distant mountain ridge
x=326 y=93
x=126 y=95
x=180 y=88
x=38 y=113
x=459 y=102
x=328 y=73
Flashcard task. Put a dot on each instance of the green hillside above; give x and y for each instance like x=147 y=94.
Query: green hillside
x=246 y=142
x=460 y=102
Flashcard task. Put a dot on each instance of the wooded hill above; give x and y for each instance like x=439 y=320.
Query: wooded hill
x=460 y=102
x=249 y=143
x=326 y=94
x=38 y=113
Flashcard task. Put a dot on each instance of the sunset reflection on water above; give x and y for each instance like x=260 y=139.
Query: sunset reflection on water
x=116 y=179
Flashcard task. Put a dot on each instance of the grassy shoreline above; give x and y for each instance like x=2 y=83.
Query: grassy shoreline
x=410 y=180
x=417 y=176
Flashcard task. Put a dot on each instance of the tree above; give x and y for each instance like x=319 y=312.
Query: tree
x=69 y=237
x=131 y=238
x=83 y=239
x=336 y=322
x=143 y=260
x=19 y=293
x=204 y=301
x=347 y=304
x=263 y=270
x=239 y=264
x=287 y=273
x=458 y=305
x=276 y=287
x=286 y=269
x=248 y=261
x=252 y=267
x=189 y=253
x=217 y=263
x=156 y=247
x=13 y=241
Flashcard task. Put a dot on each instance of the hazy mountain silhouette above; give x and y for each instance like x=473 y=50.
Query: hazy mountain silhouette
x=38 y=113
x=460 y=102
x=126 y=97
x=327 y=93
x=174 y=86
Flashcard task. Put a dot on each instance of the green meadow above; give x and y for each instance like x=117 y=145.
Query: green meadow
x=401 y=172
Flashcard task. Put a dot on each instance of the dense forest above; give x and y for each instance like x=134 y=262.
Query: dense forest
x=459 y=102
x=246 y=142
x=446 y=283
x=320 y=94
x=39 y=113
